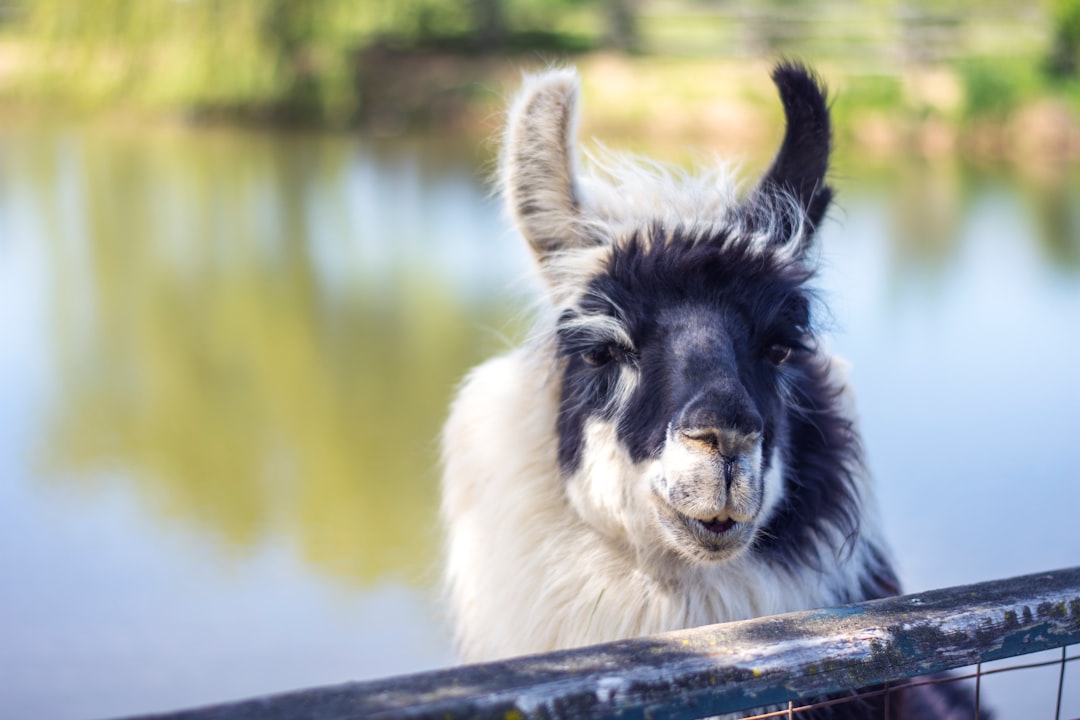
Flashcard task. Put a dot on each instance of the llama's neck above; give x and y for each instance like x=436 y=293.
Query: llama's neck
x=528 y=574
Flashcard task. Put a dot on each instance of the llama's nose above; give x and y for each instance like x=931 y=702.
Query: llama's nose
x=720 y=421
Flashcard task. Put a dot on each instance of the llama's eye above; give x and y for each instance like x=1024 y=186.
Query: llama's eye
x=778 y=354
x=598 y=356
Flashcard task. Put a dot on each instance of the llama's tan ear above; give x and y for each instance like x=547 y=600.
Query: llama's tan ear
x=538 y=170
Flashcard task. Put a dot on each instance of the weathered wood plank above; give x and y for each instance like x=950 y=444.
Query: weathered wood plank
x=719 y=668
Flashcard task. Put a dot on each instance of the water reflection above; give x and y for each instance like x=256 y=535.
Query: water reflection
x=258 y=338
x=262 y=331
x=1056 y=211
x=251 y=340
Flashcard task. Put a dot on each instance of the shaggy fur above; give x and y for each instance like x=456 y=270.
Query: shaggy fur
x=673 y=447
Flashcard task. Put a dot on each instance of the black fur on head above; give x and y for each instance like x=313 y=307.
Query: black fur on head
x=696 y=335
x=719 y=313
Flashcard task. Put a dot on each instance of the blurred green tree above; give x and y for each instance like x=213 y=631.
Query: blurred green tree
x=287 y=59
x=1065 y=50
x=622 y=25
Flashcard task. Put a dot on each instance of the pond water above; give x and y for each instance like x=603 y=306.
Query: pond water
x=225 y=358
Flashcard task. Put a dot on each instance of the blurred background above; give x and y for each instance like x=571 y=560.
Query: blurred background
x=248 y=248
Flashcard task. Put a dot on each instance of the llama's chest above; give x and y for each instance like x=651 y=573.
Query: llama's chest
x=610 y=603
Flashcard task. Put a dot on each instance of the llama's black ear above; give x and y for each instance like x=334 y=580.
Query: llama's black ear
x=538 y=165
x=798 y=171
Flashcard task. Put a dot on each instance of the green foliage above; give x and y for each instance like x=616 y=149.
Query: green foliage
x=858 y=95
x=290 y=59
x=239 y=54
x=1065 y=51
x=996 y=88
x=326 y=62
x=872 y=91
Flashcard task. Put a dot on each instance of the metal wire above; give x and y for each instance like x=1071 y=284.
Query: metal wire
x=1061 y=685
x=791 y=710
x=978 y=688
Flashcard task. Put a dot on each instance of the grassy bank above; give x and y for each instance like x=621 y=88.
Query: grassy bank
x=989 y=109
x=985 y=80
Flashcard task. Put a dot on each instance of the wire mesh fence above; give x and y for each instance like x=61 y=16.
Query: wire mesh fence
x=974 y=674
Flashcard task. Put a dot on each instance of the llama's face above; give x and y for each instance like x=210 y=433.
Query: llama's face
x=676 y=363
x=683 y=321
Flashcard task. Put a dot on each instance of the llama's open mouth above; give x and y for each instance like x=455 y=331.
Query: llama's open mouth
x=717 y=526
x=718 y=537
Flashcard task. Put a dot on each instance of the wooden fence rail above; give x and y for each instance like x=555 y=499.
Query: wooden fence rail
x=718 y=668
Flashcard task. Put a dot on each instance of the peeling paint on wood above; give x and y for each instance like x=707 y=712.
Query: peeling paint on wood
x=718 y=668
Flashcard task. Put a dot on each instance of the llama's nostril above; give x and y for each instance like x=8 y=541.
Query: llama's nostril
x=706 y=439
x=728 y=443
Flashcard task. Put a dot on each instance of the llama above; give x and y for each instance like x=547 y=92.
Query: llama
x=673 y=446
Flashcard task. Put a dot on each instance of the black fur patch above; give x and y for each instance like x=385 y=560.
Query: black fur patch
x=704 y=311
x=694 y=310
x=822 y=456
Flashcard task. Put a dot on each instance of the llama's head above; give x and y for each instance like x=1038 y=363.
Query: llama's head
x=682 y=322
